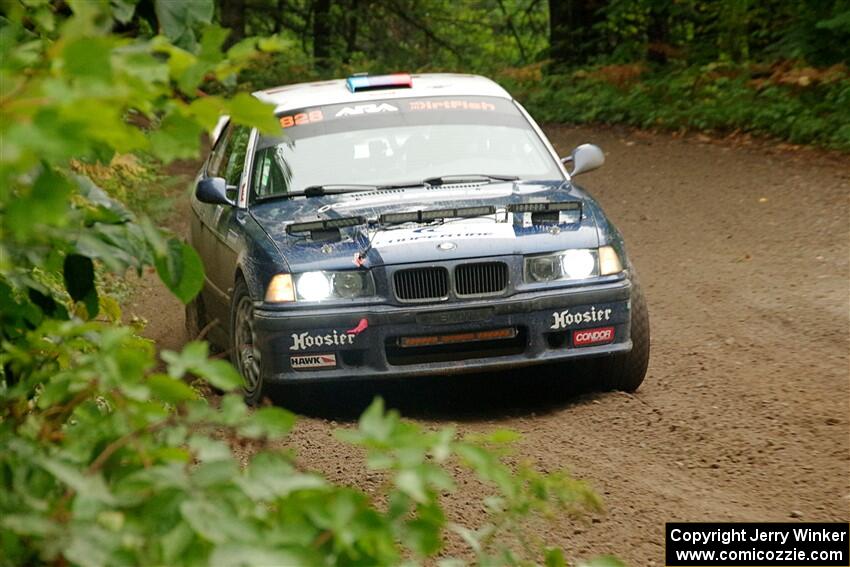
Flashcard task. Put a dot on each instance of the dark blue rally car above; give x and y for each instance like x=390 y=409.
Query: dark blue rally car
x=400 y=226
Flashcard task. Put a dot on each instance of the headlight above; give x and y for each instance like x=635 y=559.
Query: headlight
x=543 y=268
x=578 y=264
x=349 y=284
x=316 y=286
x=575 y=264
x=313 y=286
x=280 y=289
x=609 y=261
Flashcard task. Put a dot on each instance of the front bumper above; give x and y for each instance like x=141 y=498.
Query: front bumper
x=363 y=342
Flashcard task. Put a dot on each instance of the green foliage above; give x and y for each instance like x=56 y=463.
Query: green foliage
x=701 y=64
x=709 y=98
x=110 y=455
x=108 y=461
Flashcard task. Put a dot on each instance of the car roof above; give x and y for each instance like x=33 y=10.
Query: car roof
x=303 y=95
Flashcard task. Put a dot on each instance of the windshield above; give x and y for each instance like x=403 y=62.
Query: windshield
x=399 y=141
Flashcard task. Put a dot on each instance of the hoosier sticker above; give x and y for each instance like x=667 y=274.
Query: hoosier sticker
x=313 y=361
x=567 y=318
x=305 y=340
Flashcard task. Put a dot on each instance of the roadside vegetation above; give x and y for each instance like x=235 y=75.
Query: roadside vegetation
x=111 y=455
x=776 y=68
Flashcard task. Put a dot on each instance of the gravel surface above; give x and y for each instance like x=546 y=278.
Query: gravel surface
x=743 y=251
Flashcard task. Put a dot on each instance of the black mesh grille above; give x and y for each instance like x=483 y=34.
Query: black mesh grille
x=489 y=278
x=421 y=284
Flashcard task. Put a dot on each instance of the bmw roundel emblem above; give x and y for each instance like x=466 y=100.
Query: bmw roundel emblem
x=445 y=246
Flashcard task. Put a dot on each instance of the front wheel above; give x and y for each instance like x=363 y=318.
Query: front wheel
x=245 y=352
x=626 y=371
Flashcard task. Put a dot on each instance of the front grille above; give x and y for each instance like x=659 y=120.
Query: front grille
x=421 y=284
x=490 y=278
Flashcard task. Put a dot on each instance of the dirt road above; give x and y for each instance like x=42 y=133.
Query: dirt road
x=743 y=251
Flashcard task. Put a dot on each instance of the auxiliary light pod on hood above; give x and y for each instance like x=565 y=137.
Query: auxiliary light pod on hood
x=327 y=229
x=545 y=213
x=435 y=214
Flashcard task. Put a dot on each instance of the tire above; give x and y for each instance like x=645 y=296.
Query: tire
x=244 y=353
x=626 y=371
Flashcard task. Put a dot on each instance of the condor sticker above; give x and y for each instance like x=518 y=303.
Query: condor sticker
x=308 y=361
x=598 y=336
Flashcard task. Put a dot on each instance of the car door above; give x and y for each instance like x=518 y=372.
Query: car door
x=202 y=234
x=226 y=222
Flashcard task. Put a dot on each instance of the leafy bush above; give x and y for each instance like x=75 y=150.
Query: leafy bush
x=108 y=462
x=709 y=98
x=110 y=456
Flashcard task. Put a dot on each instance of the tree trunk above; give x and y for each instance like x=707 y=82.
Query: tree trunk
x=233 y=18
x=572 y=37
x=321 y=34
x=658 y=33
x=351 y=31
x=732 y=40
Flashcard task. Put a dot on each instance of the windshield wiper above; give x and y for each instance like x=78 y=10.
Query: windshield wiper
x=468 y=178
x=334 y=189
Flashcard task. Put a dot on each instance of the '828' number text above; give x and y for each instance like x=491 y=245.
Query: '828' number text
x=301 y=118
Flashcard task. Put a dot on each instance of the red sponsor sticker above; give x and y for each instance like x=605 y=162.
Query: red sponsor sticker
x=597 y=336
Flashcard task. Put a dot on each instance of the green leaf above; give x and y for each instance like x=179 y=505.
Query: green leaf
x=175 y=542
x=374 y=423
x=250 y=111
x=180 y=269
x=193 y=355
x=178 y=20
x=232 y=409
x=78 y=272
x=554 y=557
x=208 y=450
x=268 y=422
x=220 y=374
x=193 y=358
x=244 y=555
x=424 y=532
x=271 y=475
x=412 y=483
x=90 y=486
x=88 y=59
x=178 y=137
x=214 y=521
x=123 y=10
x=170 y=390
x=45 y=204
x=30 y=524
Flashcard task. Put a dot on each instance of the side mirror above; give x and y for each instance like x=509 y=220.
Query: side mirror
x=585 y=157
x=213 y=190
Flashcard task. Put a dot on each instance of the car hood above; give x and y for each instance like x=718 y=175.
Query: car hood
x=395 y=244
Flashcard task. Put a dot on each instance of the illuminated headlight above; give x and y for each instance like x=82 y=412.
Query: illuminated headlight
x=318 y=286
x=578 y=264
x=313 y=286
x=575 y=264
